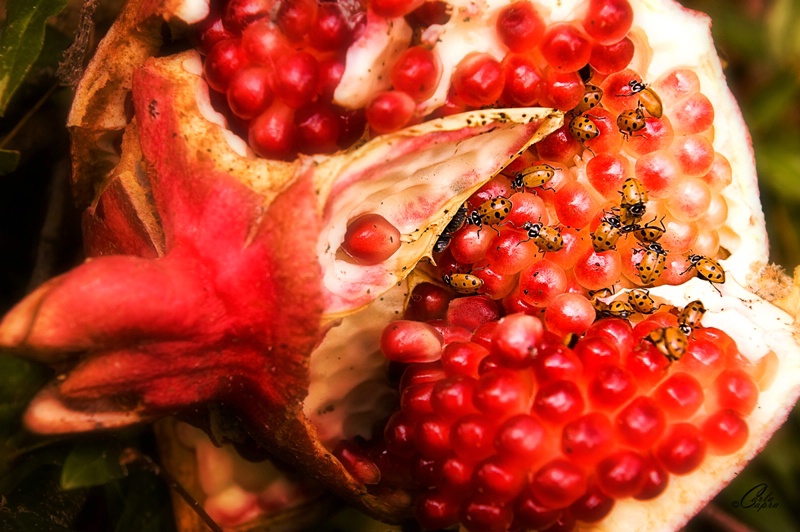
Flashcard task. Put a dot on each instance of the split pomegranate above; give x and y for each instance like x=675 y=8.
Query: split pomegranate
x=543 y=215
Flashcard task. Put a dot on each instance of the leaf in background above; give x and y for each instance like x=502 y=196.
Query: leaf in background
x=779 y=164
x=767 y=110
x=21 y=40
x=92 y=464
x=19 y=380
x=784 y=39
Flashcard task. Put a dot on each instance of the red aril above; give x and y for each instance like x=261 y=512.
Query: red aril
x=249 y=92
x=524 y=82
x=371 y=239
x=273 y=133
x=519 y=26
x=611 y=58
x=417 y=73
x=608 y=21
x=389 y=111
x=566 y=47
x=296 y=17
x=241 y=13
x=224 y=60
x=330 y=31
x=318 y=128
x=478 y=80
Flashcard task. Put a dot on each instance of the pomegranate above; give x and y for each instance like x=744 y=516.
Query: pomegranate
x=543 y=215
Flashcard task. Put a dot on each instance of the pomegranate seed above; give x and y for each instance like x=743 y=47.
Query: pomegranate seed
x=720 y=175
x=394 y=8
x=658 y=172
x=297 y=78
x=680 y=395
x=558 y=402
x=609 y=139
x=357 y=464
x=451 y=333
x=399 y=436
x=587 y=439
x=558 y=483
x=511 y=251
x=432 y=436
x=593 y=506
x=437 y=509
x=569 y=313
x=575 y=205
x=417 y=73
x=470 y=244
x=224 y=60
x=520 y=438
x=353 y=123
x=471 y=312
x=655 y=480
x=526 y=207
x=389 y=111
x=456 y=474
x=411 y=341
x=452 y=398
x=682 y=449
x=263 y=43
x=647 y=364
x=695 y=114
x=595 y=353
x=330 y=31
x=463 y=358
x=499 y=478
x=371 y=239
x=612 y=58
x=519 y=26
x=621 y=474
x=532 y=514
x=524 y=81
x=714 y=217
x=209 y=32
x=484 y=513
x=557 y=364
x=318 y=129
x=249 y=92
x=472 y=437
x=501 y=392
x=428 y=301
x=725 y=432
x=675 y=85
x=483 y=334
x=541 y=282
x=606 y=172
x=615 y=331
x=421 y=373
x=478 y=79
x=608 y=21
x=559 y=146
x=641 y=423
x=576 y=244
x=597 y=270
x=516 y=339
x=734 y=389
x=415 y=400
x=689 y=200
x=295 y=17
x=272 y=134
x=331 y=70
x=656 y=135
x=562 y=90
x=611 y=387
x=566 y=47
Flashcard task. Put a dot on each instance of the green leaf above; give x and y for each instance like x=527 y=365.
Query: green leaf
x=779 y=165
x=19 y=380
x=92 y=464
x=9 y=159
x=784 y=39
x=21 y=40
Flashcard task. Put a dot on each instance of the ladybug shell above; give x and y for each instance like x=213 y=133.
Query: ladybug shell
x=670 y=341
x=495 y=210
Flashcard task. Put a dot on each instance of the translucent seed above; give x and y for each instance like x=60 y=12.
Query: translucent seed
x=690 y=199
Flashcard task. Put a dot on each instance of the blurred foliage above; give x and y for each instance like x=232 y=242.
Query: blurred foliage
x=80 y=484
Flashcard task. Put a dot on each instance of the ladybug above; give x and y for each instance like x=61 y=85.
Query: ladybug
x=707 y=269
x=631 y=121
x=545 y=238
x=454 y=225
x=671 y=341
x=596 y=295
x=652 y=264
x=463 y=283
x=690 y=316
x=534 y=176
x=641 y=301
x=618 y=309
x=634 y=197
x=650 y=233
x=582 y=129
x=605 y=237
x=592 y=95
x=495 y=210
x=648 y=98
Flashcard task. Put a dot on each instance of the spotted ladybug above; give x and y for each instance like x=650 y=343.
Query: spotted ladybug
x=618 y=309
x=534 y=176
x=463 y=283
x=631 y=121
x=707 y=269
x=582 y=129
x=671 y=341
x=605 y=236
x=650 y=233
x=648 y=97
x=641 y=301
x=690 y=316
x=652 y=264
x=495 y=210
x=634 y=197
x=546 y=238
x=592 y=95
x=595 y=297
x=454 y=225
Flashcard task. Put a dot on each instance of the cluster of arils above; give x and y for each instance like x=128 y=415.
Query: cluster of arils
x=510 y=425
x=277 y=64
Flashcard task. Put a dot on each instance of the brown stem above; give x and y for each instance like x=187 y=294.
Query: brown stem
x=131 y=455
x=723 y=520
